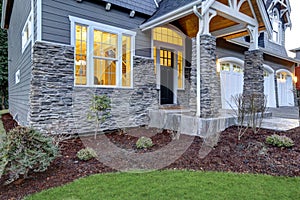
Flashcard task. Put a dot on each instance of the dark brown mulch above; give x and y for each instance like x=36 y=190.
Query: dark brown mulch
x=250 y=155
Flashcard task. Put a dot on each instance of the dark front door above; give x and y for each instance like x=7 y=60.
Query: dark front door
x=166 y=76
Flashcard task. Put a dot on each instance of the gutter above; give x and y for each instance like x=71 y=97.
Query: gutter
x=175 y=14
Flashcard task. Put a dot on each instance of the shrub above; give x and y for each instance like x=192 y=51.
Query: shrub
x=86 y=154
x=24 y=149
x=279 y=141
x=144 y=143
x=99 y=110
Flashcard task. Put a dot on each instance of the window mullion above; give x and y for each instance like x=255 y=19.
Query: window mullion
x=119 y=61
x=90 y=62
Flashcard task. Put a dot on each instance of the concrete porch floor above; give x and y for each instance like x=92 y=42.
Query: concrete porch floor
x=183 y=121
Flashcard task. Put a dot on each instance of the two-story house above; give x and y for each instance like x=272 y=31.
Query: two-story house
x=195 y=54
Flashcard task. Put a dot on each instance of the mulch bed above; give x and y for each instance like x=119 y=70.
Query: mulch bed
x=249 y=155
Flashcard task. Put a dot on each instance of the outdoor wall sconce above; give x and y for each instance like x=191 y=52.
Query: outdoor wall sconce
x=295 y=79
x=218 y=66
x=132 y=13
x=108 y=6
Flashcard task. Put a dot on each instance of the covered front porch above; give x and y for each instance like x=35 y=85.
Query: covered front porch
x=187 y=73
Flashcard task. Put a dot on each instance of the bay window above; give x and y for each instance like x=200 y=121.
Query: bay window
x=103 y=54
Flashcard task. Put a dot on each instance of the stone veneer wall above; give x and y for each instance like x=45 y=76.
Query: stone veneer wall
x=210 y=87
x=193 y=78
x=57 y=106
x=254 y=75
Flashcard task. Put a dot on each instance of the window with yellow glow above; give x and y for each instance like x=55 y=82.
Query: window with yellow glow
x=103 y=54
x=180 y=70
x=105 y=57
x=168 y=36
x=126 y=61
x=80 y=55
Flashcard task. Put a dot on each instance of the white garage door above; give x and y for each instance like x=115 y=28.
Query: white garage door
x=269 y=89
x=231 y=83
x=285 y=89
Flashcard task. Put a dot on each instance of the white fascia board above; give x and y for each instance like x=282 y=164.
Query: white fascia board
x=265 y=17
x=175 y=14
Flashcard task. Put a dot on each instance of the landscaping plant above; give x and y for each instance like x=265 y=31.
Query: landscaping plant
x=24 y=149
x=144 y=143
x=99 y=110
x=249 y=112
x=86 y=154
x=279 y=141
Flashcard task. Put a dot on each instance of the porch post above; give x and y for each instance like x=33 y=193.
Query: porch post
x=253 y=70
x=210 y=88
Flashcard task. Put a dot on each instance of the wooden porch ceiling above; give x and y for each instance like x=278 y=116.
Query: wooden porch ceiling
x=189 y=24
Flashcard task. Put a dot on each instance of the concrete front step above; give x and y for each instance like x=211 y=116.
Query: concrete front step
x=184 y=122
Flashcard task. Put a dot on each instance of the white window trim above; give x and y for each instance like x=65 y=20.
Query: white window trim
x=279 y=28
x=29 y=20
x=176 y=48
x=91 y=26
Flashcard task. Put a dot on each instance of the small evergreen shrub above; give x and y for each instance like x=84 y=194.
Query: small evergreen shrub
x=144 y=143
x=24 y=149
x=86 y=154
x=279 y=141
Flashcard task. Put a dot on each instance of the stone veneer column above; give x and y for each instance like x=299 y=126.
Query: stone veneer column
x=210 y=85
x=52 y=81
x=193 y=79
x=254 y=75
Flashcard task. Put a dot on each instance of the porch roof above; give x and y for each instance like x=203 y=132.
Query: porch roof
x=231 y=20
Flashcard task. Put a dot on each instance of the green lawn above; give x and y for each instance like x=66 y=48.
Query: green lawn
x=171 y=185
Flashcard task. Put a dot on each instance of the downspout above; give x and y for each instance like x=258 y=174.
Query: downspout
x=198 y=56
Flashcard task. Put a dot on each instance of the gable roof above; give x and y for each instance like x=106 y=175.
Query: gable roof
x=147 y=7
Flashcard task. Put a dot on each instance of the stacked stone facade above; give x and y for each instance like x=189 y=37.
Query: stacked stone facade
x=254 y=76
x=210 y=88
x=58 y=106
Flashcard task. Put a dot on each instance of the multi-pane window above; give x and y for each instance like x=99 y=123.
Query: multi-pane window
x=81 y=55
x=126 y=60
x=276 y=23
x=168 y=36
x=103 y=54
x=105 y=58
x=180 y=70
x=27 y=32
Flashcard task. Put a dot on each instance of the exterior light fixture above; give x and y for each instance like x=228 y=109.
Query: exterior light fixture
x=132 y=13
x=218 y=66
x=108 y=6
x=295 y=79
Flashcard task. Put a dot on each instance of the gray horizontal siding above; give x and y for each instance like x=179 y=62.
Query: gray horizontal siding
x=56 y=24
x=19 y=93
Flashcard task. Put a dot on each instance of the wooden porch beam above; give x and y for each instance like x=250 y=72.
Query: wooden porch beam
x=233 y=14
x=230 y=30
